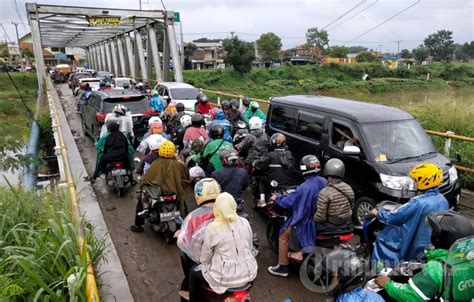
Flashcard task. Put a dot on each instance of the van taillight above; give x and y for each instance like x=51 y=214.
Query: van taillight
x=100 y=116
x=150 y=112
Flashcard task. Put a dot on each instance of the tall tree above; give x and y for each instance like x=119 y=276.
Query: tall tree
x=440 y=45
x=468 y=49
x=338 y=52
x=268 y=46
x=420 y=53
x=189 y=49
x=240 y=54
x=406 y=54
x=207 y=40
x=366 y=56
x=318 y=38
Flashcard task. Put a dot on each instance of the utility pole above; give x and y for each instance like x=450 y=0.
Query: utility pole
x=140 y=4
x=18 y=41
x=232 y=33
x=380 y=49
x=398 y=51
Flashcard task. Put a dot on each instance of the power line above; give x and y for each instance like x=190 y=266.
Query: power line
x=344 y=14
x=385 y=21
x=6 y=35
x=19 y=93
x=15 y=4
x=358 y=13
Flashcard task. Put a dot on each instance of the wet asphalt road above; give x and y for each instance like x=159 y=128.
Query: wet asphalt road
x=153 y=267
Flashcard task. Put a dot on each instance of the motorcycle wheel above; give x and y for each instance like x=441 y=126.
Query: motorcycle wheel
x=273 y=233
x=314 y=277
x=169 y=237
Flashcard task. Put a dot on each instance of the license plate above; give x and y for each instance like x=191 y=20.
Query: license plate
x=119 y=172
x=169 y=216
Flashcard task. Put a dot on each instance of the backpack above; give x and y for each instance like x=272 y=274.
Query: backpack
x=459 y=271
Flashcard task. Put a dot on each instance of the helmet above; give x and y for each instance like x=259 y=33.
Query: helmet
x=156 y=128
x=254 y=105
x=165 y=116
x=185 y=121
x=228 y=156
x=278 y=140
x=197 y=119
x=196 y=173
x=219 y=115
x=335 y=168
x=309 y=164
x=154 y=119
x=426 y=176
x=225 y=105
x=241 y=125
x=120 y=109
x=216 y=131
x=206 y=189
x=154 y=92
x=140 y=84
x=197 y=145
x=246 y=101
x=108 y=84
x=234 y=104
x=255 y=123
x=113 y=125
x=447 y=227
x=126 y=85
x=180 y=107
x=201 y=97
x=167 y=149
x=154 y=143
x=102 y=85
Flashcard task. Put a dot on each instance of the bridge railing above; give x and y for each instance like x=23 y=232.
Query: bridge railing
x=449 y=135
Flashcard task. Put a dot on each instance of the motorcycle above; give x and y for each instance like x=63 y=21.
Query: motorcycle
x=161 y=210
x=117 y=177
x=240 y=294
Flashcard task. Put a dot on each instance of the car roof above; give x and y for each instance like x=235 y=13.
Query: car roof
x=360 y=112
x=118 y=93
x=89 y=79
x=177 y=85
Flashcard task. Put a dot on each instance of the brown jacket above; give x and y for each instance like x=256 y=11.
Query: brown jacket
x=334 y=206
x=169 y=175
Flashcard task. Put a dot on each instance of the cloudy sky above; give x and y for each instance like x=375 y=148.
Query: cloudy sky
x=344 y=19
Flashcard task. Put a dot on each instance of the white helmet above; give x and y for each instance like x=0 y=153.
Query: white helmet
x=154 y=142
x=120 y=109
x=154 y=119
x=255 y=123
x=140 y=84
x=185 y=121
x=196 y=173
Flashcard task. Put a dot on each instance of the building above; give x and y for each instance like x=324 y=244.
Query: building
x=208 y=55
x=395 y=62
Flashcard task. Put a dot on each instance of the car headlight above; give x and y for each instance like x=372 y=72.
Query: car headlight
x=397 y=182
x=453 y=174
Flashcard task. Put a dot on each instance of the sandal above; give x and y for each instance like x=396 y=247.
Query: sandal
x=296 y=256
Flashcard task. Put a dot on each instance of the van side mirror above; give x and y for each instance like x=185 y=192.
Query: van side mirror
x=351 y=150
x=165 y=97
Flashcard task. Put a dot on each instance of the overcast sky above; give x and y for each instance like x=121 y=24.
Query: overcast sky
x=291 y=18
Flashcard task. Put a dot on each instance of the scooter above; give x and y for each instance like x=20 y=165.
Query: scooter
x=161 y=210
x=118 y=177
x=240 y=294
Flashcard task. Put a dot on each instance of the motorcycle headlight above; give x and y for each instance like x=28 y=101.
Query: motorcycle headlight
x=453 y=174
x=397 y=182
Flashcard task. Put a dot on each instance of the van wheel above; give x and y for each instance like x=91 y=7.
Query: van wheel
x=362 y=209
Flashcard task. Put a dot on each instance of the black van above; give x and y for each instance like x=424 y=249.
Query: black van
x=378 y=144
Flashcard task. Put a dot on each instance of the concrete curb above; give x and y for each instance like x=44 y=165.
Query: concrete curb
x=113 y=282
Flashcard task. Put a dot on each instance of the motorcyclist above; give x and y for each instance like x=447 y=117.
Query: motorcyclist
x=156 y=131
x=254 y=145
x=152 y=120
x=225 y=105
x=232 y=179
x=124 y=116
x=233 y=113
x=245 y=104
x=406 y=234
x=169 y=174
x=279 y=165
x=175 y=118
x=300 y=225
x=114 y=146
x=154 y=144
x=178 y=135
x=196 y=131
x=225 y=123
x=203 y=106
x=431 y=283
x=165 y=118
x=334 y=203
x=171 y=108
x=209 y=157
x=191 y=234
x=141 y=88
x=254 y=110
x=156 y=102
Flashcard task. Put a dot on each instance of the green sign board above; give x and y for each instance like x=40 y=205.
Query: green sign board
x=177 y=17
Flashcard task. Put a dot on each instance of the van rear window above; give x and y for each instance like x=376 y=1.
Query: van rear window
x=283 y=118
x=134 y=105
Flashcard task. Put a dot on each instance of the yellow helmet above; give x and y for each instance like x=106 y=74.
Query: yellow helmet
x=167 y=149
x=426 y=176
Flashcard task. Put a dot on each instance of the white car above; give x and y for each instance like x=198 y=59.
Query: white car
x=94 y=83
x=117 y=83
x=180 y=93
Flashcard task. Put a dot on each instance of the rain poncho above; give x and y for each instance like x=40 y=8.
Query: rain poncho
x=360 y=295
x=249 y=113
x=302 y=204
x=211 y=154
x=109 y=138
x=157 y=103
x=225 y=123
x=407 y=233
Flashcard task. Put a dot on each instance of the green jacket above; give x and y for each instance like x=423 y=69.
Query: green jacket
x=210 y=148
x=249 y=114
x=99 y=145
x=423 y=286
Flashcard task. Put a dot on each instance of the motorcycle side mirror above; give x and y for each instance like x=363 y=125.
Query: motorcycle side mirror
x=457 y=158
x=274 y=183
x=351 y=150
x=136 y=159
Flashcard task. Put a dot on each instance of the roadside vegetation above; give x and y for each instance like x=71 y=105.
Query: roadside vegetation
x=39 y=258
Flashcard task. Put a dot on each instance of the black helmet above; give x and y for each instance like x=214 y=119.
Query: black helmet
x=180 y=107
x=197 y=120
x=310 y=164
x=447 y=227
x=229 y=156
x=216 y=131
x=234 y=104
x=201 y=97
x=225 y=105
x=246 y=101
x=277 y=140
x=335 y=168
x=165 y=116
x=113 y=125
